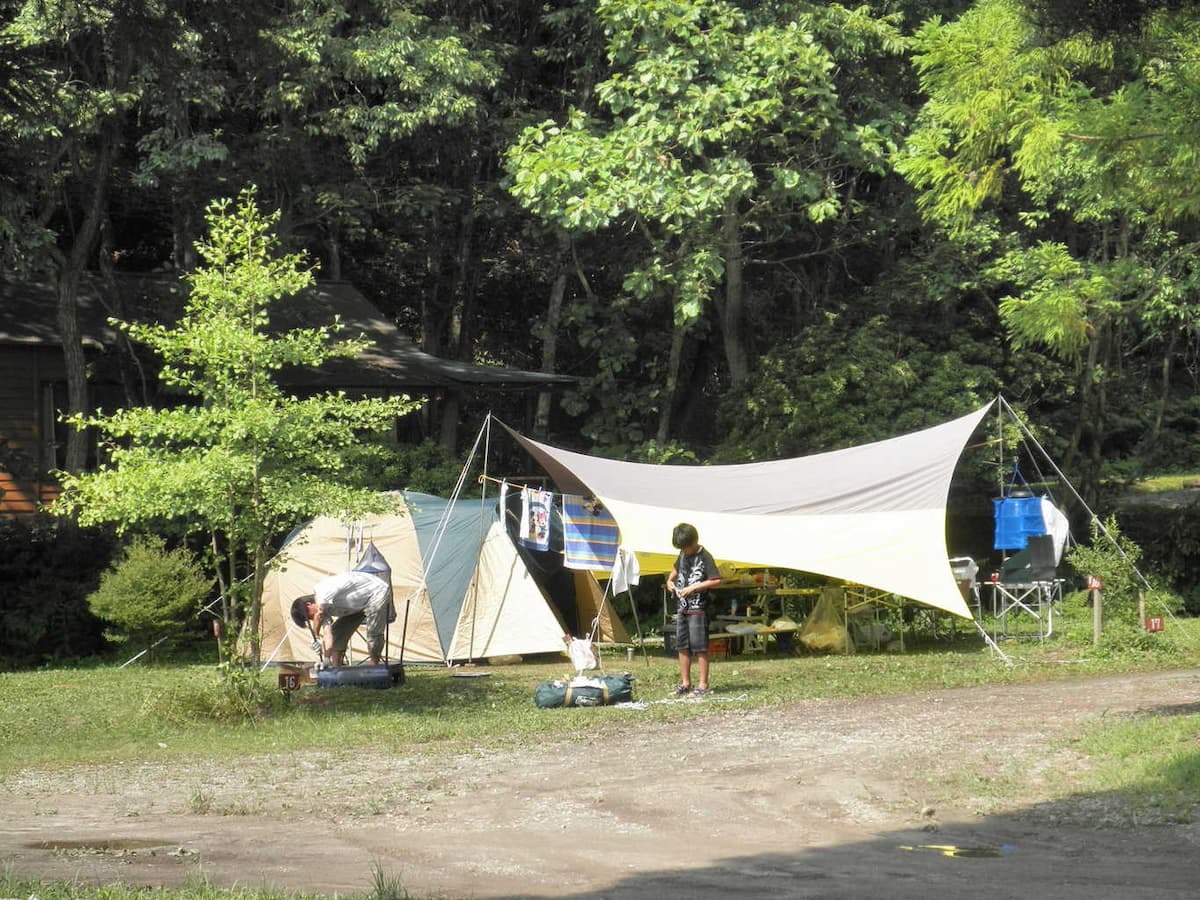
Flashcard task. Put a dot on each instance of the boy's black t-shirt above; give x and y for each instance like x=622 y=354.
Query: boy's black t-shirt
x=691 y=570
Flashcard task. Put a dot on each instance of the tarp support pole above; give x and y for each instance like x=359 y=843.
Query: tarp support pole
x=143 y=653
x=487 y=447
x=638 y=626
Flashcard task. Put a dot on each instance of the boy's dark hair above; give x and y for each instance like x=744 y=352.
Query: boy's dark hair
x=300 y=610
x=684 y=535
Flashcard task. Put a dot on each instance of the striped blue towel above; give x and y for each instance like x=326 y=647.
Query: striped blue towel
x=590 y=534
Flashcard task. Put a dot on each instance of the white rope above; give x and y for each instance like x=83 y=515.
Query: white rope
x=277 y=646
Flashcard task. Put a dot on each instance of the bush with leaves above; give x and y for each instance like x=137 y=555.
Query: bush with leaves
x=1113 y=558
x=150 y=593
x=47 y=567
x=1121 y=635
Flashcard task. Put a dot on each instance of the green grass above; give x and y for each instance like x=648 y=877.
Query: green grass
x=20 y=889
x=1165 y=483
x=62 y=717
x=1151 y=761
x=384 y=887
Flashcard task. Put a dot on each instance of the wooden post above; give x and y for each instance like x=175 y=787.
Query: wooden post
x=1095 y=587
x=1142 y=608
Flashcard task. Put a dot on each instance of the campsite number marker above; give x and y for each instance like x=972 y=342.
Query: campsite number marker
x=289 y=681
x=1154 y=623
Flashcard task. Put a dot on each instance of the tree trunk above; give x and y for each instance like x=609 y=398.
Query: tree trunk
x=254 y=626
x=71 y=268
x=672 y=387
x=67 y=315
x=733 y=309
x=1074 y=451
x=541 y=420
x=462 y=298
x=451 y=410
x=1164 y=389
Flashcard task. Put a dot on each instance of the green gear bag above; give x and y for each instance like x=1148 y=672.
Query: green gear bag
x=611 y=689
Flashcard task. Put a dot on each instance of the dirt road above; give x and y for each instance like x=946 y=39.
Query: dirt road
x=822 y=799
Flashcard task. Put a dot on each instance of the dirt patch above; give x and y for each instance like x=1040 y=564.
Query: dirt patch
x=899 y=796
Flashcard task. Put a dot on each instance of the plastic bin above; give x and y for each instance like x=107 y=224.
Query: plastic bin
x=1017 y=518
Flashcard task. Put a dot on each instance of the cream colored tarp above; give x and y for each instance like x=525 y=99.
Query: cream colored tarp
x=873 y=515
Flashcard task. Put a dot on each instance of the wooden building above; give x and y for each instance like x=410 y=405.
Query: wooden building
x=33 y=389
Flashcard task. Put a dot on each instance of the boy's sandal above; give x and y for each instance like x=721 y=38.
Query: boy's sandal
x=681 y=690
x=701 y=692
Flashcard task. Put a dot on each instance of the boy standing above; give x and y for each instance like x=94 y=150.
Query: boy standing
x=690 y=579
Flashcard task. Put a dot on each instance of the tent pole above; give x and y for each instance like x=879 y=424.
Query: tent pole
x=404 y=627
x=487 y=447
x=1000 y=443
x=638 y=626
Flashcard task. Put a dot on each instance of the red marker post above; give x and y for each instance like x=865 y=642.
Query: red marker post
x=1095 y=585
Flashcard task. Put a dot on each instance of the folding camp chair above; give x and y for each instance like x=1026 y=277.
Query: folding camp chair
x=1029 y=584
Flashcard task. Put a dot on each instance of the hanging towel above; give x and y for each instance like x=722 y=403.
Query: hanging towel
x=626 y=571
x=535 y=519
x=589 y=534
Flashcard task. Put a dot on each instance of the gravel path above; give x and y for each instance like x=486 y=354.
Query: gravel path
x=817 y=799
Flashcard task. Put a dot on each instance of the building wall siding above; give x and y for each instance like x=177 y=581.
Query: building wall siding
x=23 y=481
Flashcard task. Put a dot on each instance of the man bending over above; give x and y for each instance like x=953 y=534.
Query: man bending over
x=338 y=605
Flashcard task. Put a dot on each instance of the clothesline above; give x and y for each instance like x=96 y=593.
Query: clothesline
x=591 y=538
x=511 y=483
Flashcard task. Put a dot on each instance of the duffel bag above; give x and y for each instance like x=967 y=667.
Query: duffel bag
x=604 y=690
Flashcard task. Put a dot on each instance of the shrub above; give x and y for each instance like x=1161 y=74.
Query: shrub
x=149 y=593
x=232 y=694
x=47 y=568
x=1114 y=560
x=1123 y=636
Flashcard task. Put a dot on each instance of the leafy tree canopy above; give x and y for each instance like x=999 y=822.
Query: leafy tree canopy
x=242 y=461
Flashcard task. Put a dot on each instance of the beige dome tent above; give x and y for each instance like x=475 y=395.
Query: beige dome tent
x=468 y=592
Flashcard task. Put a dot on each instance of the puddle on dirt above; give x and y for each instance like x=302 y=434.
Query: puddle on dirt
x=965 y=852
x=103 y=844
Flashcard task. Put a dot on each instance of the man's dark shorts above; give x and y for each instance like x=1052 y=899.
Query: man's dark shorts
x=691 y=632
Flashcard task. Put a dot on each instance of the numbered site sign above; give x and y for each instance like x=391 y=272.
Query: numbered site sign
x=1095 y=583
x=1154 y=623
x=289 y=681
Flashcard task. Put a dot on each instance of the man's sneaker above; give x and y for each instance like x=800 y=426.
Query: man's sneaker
x=701 y=692
x=681 y=690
